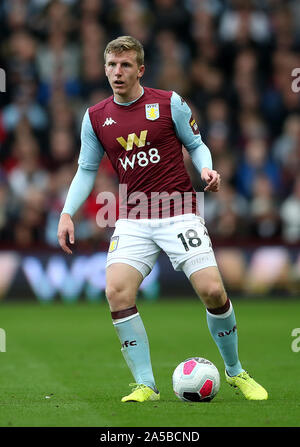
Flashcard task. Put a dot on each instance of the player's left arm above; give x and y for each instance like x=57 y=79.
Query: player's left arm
x=188 y=132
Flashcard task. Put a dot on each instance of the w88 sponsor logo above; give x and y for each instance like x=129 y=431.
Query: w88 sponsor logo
x=141 y=158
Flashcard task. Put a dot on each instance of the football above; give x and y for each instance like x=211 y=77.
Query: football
x=196 y=380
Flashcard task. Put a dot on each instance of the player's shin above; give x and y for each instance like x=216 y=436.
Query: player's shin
x=135 y=345
x=222 y=326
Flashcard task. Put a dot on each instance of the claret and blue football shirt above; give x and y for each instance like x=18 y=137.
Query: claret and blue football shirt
x=143 y=140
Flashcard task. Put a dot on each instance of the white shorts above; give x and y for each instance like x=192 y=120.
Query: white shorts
x=184 y=238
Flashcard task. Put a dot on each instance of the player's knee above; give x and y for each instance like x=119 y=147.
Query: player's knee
x=114 y=292
x=214 y=294
x=118 y=296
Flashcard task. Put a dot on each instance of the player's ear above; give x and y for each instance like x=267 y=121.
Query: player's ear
x=141 y=71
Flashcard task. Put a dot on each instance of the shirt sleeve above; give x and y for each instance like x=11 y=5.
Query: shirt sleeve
x=91 y=151
x=188 y=132
x=81 y=187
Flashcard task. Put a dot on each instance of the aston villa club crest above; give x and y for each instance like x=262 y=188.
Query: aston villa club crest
x=152 y=111
x=113 y=243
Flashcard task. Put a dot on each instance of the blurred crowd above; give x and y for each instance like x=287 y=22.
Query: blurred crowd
x=232 y=60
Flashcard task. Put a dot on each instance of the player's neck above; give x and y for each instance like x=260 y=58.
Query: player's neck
x=131 y=97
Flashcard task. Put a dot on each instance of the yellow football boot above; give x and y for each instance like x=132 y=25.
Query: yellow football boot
x=141 y=393
x=250 y=389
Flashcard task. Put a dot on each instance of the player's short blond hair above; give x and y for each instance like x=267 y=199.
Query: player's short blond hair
x=126 y=43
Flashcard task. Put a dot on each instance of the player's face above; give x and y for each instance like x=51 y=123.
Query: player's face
x=124 y=75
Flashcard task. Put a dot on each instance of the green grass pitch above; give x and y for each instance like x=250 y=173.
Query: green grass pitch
x=63 y=365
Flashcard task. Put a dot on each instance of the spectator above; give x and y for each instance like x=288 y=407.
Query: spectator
x=62 y=148
x=28 y=171
x=24 y=106
x=290 y=215
x=28 y=228
x=264 y=216
x=255 y=162
x=289 y=139
x=3 y=201
x=226 y=214
x=172 y=15
x=58 y=66
x=243 y=24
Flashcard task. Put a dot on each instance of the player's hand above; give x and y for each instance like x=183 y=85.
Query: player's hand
x=65 y=233
x=212 y=178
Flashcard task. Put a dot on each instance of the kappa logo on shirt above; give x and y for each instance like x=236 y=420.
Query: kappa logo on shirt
x=108 y=122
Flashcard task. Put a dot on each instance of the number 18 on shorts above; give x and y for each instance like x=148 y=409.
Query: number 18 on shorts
x=183 y=238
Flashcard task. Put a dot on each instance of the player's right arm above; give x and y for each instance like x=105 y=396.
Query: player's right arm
x=91 y=153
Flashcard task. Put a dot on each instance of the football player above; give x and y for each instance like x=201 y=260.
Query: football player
x=142 y=131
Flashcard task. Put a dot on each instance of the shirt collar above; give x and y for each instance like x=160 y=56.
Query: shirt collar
x=131 y=102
